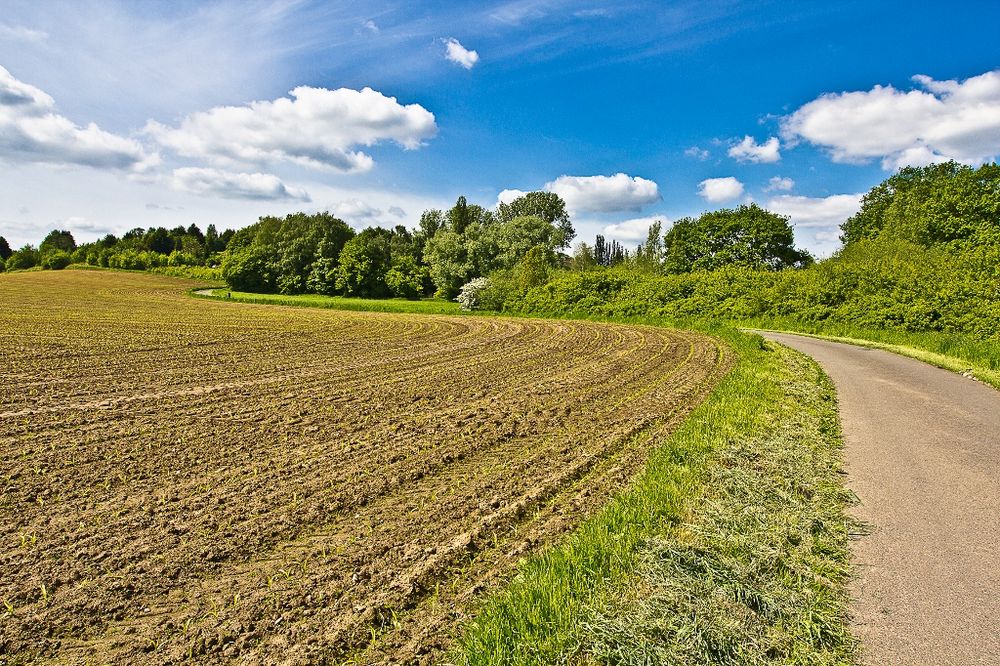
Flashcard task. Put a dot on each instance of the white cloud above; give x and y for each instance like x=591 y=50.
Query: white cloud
x=697 y=153
x=21 y=33
x=952 y=119
x=216 y=183
x=506 y=196
x=716 y=190
x=370 y=26
x=604 y=194
x=396 y=211
x=317 y=128
x=633 y=230
x=748 y=150
x=31 y=131
x=355 y=210
x=779 y=184
x=460 y=55
x=817 y=212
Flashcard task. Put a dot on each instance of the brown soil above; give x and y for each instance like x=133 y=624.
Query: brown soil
x=187 y=480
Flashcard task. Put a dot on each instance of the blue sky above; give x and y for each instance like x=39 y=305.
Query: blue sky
x=116 y=115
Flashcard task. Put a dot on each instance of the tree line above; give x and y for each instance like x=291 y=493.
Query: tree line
x=137 y=249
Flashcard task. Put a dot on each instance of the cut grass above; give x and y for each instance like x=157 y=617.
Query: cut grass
x=731 y=548
x=428 y=306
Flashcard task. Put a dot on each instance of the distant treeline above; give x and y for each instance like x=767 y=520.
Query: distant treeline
x=321 y=254
x=922 y=254
x=138 y=249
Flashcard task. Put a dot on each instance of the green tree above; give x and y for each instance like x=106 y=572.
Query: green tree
x=58 y=240
x=364 y=262
x=584 y=258
x=26 y=257
x=747 y=236
x=448 y=261
x=533 y=269
x=405 y=278
x=507 y=242
x=546 y=205
x=56 y=260
x=5 y=250
x=250 y=268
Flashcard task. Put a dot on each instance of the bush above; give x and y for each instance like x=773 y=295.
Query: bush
x=56 y=260
x=469 y=295
x=405 y=279
x=250 y=269
x=25 y=258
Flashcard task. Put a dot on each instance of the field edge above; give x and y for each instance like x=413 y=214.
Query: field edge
x=731 y=547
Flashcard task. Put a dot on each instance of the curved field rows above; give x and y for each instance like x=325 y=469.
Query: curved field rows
x=186 y=480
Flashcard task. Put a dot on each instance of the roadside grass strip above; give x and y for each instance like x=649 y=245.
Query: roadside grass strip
x=730 y=548
x=964 y=354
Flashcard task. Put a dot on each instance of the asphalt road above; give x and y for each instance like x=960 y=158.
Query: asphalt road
x=923 y=456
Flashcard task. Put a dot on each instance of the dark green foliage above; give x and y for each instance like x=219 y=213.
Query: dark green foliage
x=746 y=236
x=26 y=257
x=406 y=279
x=56 y=260
x=5 y=250
x=364 y=262
x=58 y=240
x=292 y=255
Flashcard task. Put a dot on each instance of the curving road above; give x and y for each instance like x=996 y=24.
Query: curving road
x=923 y=456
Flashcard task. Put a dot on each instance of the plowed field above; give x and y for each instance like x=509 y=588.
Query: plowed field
x=189 y=480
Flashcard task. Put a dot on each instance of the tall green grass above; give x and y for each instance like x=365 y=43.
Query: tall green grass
x=731 y=547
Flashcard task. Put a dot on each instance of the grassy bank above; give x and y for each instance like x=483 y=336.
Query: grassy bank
x=952 y=351
x=429 y=306
x=730 y=548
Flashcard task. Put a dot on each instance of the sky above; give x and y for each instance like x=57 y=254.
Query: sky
x=115 y=115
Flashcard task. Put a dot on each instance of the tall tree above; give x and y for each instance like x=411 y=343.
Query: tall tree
x=58 y=240
x=5 y=250
x=546 y=205
x=748 y=236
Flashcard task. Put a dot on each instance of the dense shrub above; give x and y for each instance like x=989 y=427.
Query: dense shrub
x=56 y=260
x=26 y=257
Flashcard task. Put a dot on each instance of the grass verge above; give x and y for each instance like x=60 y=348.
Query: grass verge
x=730 y=548
x=957 y=352
x=428 y=306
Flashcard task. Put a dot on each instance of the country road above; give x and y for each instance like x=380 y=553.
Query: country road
x=923 y=456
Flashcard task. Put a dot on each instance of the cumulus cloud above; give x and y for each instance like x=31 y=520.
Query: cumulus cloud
x=633 y=230
x=216 y=183
x=32 y=131
x=938 y=121
x=506 y=196
x=355 y=210
x=605 y=194
x=458 y=54
x=716 y=190
x=817 y=212
x=396 y=211
x=748 y=150
x=316 y=128
x=779 y=184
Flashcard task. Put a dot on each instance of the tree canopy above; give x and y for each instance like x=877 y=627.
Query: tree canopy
x=747 y=236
